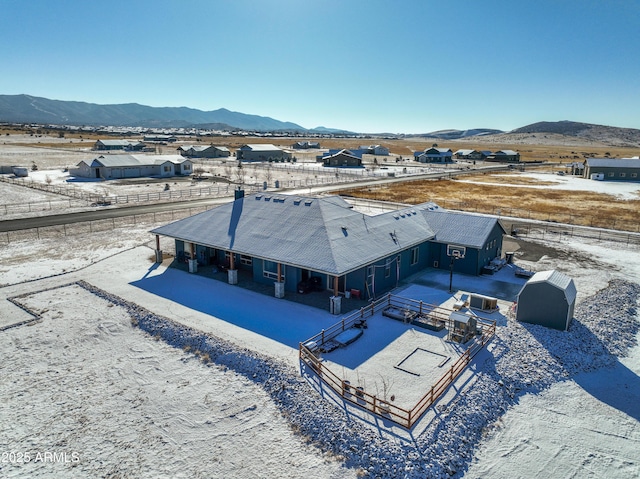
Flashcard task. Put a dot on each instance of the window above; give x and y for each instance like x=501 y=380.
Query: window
x=634 y=175
x=186 y=166
x=611 y=175
x=167 y=169
x=387 y=269
x=622 y=175
x=414 y=255
x=270 y=270
x=248 y=260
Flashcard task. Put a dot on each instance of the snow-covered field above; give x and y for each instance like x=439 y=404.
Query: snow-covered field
x=205 y=387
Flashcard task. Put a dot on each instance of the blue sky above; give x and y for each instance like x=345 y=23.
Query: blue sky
x=394 y=66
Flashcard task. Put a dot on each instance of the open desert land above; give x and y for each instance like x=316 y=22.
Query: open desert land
x=133 y=369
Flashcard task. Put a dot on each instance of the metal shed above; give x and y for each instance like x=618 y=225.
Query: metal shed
x=547 y=299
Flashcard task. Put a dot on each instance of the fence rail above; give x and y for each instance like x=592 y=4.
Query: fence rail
x=72 y=229
x=370 y=402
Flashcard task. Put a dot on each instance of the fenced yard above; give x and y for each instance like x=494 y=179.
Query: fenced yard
x=380 y=403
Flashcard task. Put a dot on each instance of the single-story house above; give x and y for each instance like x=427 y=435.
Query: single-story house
x=505 y=156
x=288 y=239
x=261 y=152
x=619 y=169
x=133 y=166
x=204 y=151
x=118 y=145
x=342 y=159
x=477 y=155
x=547 y=299
x=357 y=152
x=374 y=150
x=305 y=145
x=434 y=155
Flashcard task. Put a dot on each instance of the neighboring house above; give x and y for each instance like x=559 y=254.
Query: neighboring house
x=305 y=145
x=133 y=166
x=261 y=152
x=160 y=138
x=505 y=156
x=357 y=152
x=619 y=169
x=288 y=239
x=434 y=155
x=105 y=145
x=547 y=299
x=476 y=155
x=375 y=150
x=204 y=151
x=342 y=159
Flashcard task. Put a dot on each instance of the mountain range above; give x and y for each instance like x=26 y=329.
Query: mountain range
x=32 y=109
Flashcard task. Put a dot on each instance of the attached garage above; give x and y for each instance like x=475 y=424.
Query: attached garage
x=547 y=299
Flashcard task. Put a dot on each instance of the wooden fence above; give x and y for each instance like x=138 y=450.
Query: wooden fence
x=308 y=351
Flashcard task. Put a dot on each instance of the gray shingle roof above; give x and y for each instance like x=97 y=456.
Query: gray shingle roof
x=463 y=229
x=115 y=142
x=320 y=234
x=121 y=161
x=260 y=147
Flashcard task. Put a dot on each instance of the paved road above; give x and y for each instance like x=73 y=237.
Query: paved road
x=101 y=213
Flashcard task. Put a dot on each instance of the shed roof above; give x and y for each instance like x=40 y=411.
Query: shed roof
x=320 y=234
x=558 y=280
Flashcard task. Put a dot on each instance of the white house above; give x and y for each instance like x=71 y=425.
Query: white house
x=133 y=166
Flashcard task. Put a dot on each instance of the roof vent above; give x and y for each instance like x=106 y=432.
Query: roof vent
x=296 y=201
x=258 y=197
x=267 y=198
x=308 y=202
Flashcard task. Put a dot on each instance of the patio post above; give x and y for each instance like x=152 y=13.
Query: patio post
x=232 y=274
x=193 y=261
x=158 y=250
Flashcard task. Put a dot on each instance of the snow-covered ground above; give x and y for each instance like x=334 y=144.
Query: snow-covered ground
x=208 y=383
x=627 y=190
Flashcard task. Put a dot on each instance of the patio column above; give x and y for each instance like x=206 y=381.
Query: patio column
x=193 y=262
x=233 y=272
x=335 y=301
x=279 y=284
x=158 y=250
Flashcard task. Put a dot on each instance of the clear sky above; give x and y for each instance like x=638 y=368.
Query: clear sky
x=396 y=66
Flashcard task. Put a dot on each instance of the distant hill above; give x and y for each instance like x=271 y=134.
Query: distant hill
x=31 y=109
x=459 y=134
x=608 y=135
